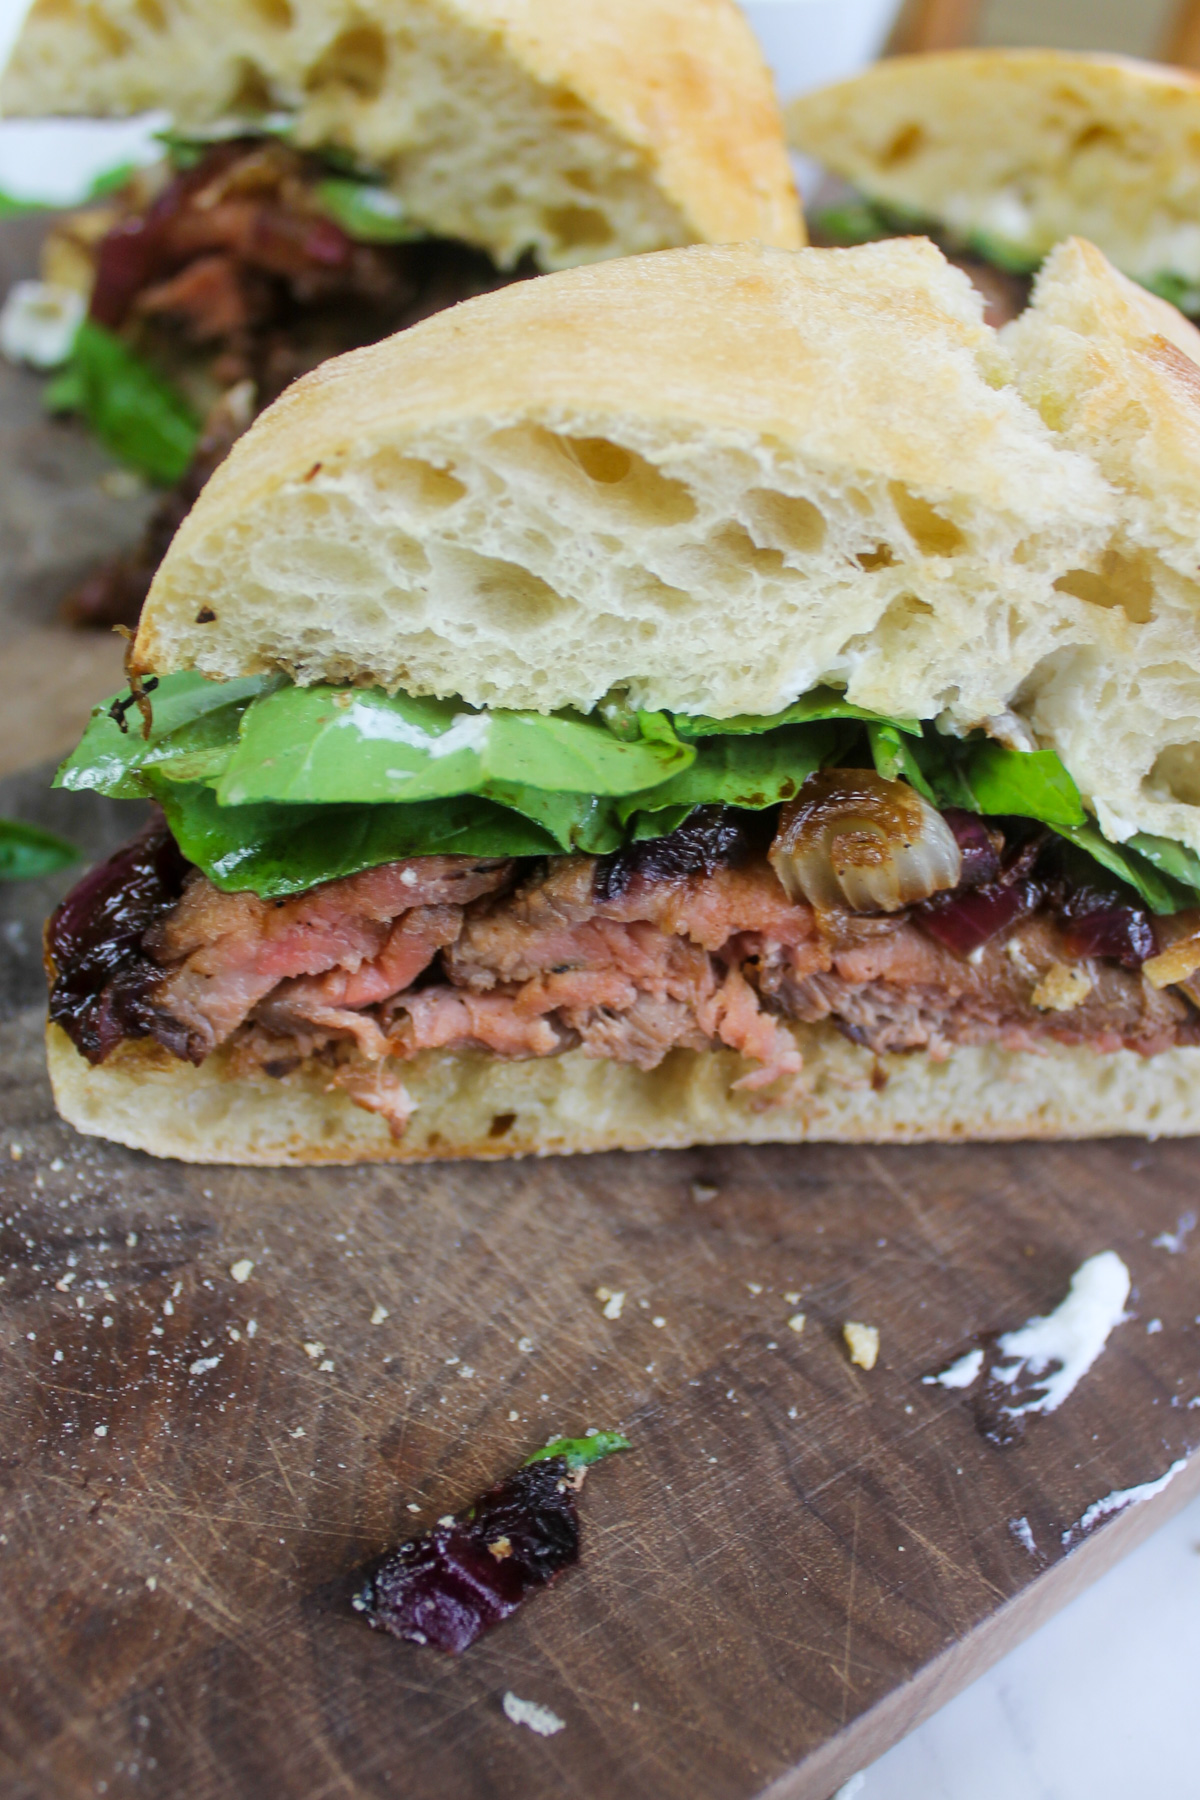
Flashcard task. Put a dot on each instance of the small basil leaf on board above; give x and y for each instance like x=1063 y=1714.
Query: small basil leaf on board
x=278 y=850
x=137 y=415
x=27 y=852
x=752 y=772
x=1160 y=892
x=336 y=744
x=821 y=703
x=581 y=1453
x=194 y=731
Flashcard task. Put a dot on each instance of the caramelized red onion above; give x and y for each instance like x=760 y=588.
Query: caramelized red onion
x=967 y=920
x=852 y=839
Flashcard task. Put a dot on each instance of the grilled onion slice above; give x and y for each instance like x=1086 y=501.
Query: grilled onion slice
x=852 y=839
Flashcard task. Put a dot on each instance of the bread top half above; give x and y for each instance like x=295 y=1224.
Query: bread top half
x=1020 y=149
x=572 y=129
x=717 y=477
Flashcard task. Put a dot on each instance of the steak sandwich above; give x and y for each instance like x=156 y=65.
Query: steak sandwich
x=719 y=695
x=335 y=174
x=1002 y=154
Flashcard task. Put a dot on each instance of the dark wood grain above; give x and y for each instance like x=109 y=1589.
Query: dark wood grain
x=797 y=1561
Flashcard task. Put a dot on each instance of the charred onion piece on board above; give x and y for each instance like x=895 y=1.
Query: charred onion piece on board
x=854 y=839
x=453 y=1583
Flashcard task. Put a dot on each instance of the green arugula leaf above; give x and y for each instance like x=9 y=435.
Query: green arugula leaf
x=1178 y=289
x=194 y=733
x=581 y=1453
x=853 y=222
x=1160 y=892
x=1004 y=253
x=1031 y=783
x=753 y=772
x=279 y=850
x=330 y=744
x=895 y=759
x=1170 y=858
x=821 y=703
x=367 y=212
x=27 y=852
x=135 y=413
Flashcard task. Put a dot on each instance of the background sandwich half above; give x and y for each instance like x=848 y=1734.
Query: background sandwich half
x=722 y=694
x=335 y=173
x=1004 y=153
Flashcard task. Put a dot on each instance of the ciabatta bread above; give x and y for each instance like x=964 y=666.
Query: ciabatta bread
x=1023 y=148
x=481 y=1106
x=575 y=129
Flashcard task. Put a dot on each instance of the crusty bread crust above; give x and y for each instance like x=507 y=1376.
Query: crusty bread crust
x=1024 y=147
x=579 y=129
x=478 y=1106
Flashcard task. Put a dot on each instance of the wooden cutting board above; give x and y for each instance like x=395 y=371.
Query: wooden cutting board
x=796 y=1563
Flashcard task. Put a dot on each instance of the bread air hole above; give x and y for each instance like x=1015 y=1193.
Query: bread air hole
x=786 y=520
x=275 y=13
x=1122 y=582
x=1176 y=772
x=635 y=485
x=931 y=532
x=733 y=547
x=577 y=227
x=151 y=14
x=501 y=595
x=252 y=93
x=356 y=59
x=111 y=39
x=906 y=143
x=418 y=485
x=617 y=479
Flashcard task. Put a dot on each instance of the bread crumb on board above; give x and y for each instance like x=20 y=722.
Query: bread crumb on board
x=528 y=1712
x=862 y=1341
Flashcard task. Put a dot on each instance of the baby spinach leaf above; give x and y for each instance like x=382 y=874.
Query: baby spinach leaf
x=367 y=212
x=753 y=772
x=1032 y=783
x=821 y=703
x=1160 y=892
x=1170 y=858
x=194 y=733
x=339 y=744
x=278 y=850
x=895 y=759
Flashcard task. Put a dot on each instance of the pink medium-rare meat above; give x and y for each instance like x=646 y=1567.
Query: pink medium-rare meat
x=224 y=953
x=679 y=944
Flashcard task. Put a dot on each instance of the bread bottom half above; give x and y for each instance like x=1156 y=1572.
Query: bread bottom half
x=478 y=1106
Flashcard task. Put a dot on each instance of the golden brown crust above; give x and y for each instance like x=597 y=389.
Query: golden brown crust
x=474 y=1106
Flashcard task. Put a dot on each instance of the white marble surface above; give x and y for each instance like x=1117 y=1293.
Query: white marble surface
x=1103 y=1703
